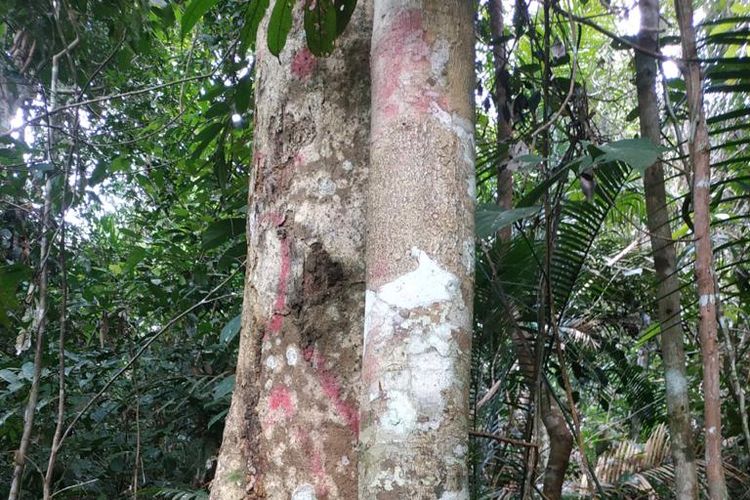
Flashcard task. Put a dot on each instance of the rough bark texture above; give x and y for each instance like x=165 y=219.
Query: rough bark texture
x=420 y=252
x=292 y=427
x=662 y=246
x=704 y=267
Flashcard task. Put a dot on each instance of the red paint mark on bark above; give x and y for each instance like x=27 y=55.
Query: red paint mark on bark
x=403 y=79
x=332 y=389
x=303 y=64
x=281 y=398
x=299 y=159
x=317 y=463
x=279 y=306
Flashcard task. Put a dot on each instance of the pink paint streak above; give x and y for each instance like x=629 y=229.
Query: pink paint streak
x=332 y=389
x=281 y=398
x=279 y=306
x=317 y=463
x=303 y=64
x=403 y=68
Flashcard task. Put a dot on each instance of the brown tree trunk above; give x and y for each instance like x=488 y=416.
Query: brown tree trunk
x=561 y=440
x=502 y=105
x=704 y=265
x=662 y=246
x=420 y=252
x=293 y=423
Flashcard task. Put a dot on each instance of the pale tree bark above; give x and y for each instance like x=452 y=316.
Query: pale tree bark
x=662 y=246
x=699 y=147
x=292 y=427
x=420 y=252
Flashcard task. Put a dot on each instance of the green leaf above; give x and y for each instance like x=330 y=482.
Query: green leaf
x=491 y=218
x=136 y=255
x=652 y=331
x=223 y=388
x=279 y=25
x=320 y=26
x=10 y=277
x=230 y=330
x=344 y=10
x=193 y=12
x=222 y=231
x=216 y=418
x=638 y=153
x=254 y=14
x=8 y=376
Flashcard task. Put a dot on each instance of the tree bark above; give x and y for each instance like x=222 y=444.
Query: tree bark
x=420 y=252
x=662 y=247
x=293 y=423
x=699 y=147
x=502 y=105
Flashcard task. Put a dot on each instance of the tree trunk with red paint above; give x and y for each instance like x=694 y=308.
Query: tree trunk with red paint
x=420 y=252
x=292 y=427
x=704 y=265
x=662 y=246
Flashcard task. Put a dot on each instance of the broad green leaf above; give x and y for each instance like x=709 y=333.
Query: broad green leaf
x=254 y=14
x=193 y=12
x=279 y=25
x=320 y=26
x=230 y=330
x=344 y=11
x=638 y=153
x=491 y=218
x=223 y=388
x=8 y=376
x=136 y=255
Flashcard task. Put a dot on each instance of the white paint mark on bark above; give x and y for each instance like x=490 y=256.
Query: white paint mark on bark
x=676 y=382
x=705 y=300
x=439 y=60
x=326 y=187
x=304 y=491
x=426 y=285
x=427 y=305
x=712 y=430
x=401 y=416
x=292 y=355
x=703 y=183
x=271 y=362
x=462 y=494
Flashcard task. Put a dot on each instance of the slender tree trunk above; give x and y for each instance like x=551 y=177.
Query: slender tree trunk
x=502 y=105
x=704 y=266
x=662 y=246
x=420 y=252
x=293 y=423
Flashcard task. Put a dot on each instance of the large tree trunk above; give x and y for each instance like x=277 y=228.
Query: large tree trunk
x=420 y=252
x=292 y=427
x=704 y=265
x=662 y=246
